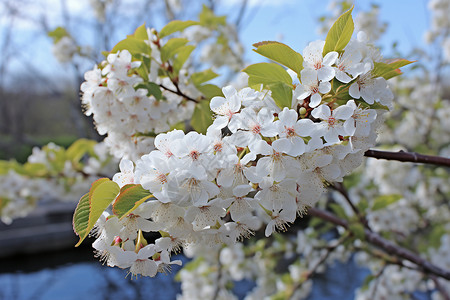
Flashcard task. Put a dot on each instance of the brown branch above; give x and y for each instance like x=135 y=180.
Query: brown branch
x=179 y=93
x=409 y=157
x=384 y=244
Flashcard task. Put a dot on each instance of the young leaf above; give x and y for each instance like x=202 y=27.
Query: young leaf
x=152 y=89
x=340 y=33
x=280 y=53
x=133 y=45
x=171 y=48
x=398 y=63
x=210 y=90
x=183 y=54
x=389 y=70
x=79 y=148
x=58 y=33
x=267 y=73
x=203 y=76
x=91 y=206
x=140 y=33
x=175 y=26
x=129 y=198
x=383 y=201
x=281 y=94
x=35 y=169
x=202 y=117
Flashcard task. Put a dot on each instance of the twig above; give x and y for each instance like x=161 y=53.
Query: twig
x=179 y=93
x=339 y=187
x=384 y=244
x=409 y=156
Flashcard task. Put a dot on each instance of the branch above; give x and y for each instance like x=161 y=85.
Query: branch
x=179 y=93
x=384 y=244
x=409 y=156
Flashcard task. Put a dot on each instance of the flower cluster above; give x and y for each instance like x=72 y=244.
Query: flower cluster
x=256 y=163
x=48 y=176
x=127 y=114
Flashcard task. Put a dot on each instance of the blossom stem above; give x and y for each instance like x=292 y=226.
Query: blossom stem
x=384 y=244
x=409 y=156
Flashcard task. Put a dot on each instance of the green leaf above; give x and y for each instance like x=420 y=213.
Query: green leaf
x=434 y=239
x=210 y=90
x=175 y=26
x=208 y=19
x=3 y=202
x=35 y=169
x=338 y=210
x=281 y=94
x=358 y=230
x=203 y=76
x=202 y=117
x=383 y=201
x=129 y=198
x=281 y=53
x=389 y=70
x=141 y=33
x=81 y=216
x=267 y=73
x=400 y=62
x=339 y=34
x=79 y=148
x=58 y=33
x=182 y=55
x=171 y=48
x=102 y=193
x=134 y=45
x=152 y=89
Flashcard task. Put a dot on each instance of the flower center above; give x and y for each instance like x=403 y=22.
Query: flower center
x=256 y=129
x=218 y=147
x=331 y=121
x=162 y=178
x=194 y=154
x=290 y=132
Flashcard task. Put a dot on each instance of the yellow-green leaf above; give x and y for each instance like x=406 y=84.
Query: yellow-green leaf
x=141 y=33
x=134 y=45
x=79 y=148
x=267 y=73
x=102 y=193
x=171 y=48
x=210 y=90
x=175 y=26
x=202 y=117
x=340 y=33
x=152 y=89
x=203 y=76
x=182 y=55
x=383 y=201
x=281 y=94
x=129 y=198
x=281 y=53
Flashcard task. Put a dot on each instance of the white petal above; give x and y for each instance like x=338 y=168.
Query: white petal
x=330 y=58
x=315 y=100
x=354 y=90
x=324 y=87
x=282 y=145
x=229 y=91
x=322 y=112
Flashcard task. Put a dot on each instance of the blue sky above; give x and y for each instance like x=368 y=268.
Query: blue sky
x=293 y=22
x=296 y=22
